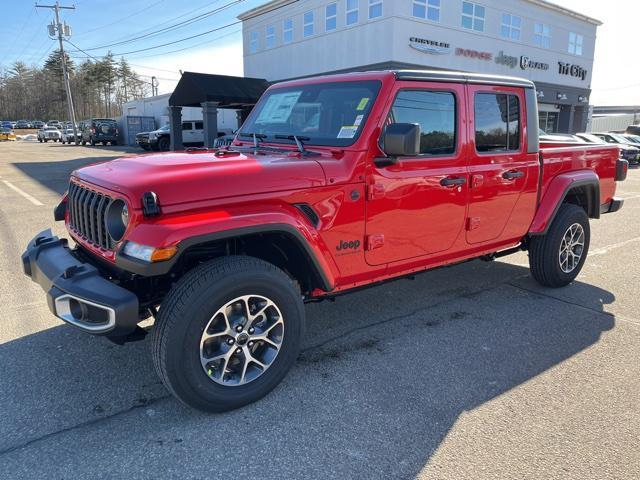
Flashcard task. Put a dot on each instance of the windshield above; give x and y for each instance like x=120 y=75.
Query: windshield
x=619 y=138
x=592 y=138
x=331 y=114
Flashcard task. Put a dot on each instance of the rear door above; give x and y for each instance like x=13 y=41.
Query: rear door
x=499 y=168
x=417 y=206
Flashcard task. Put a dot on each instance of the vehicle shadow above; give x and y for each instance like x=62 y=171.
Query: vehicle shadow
x=384 y=375
x=54 y=175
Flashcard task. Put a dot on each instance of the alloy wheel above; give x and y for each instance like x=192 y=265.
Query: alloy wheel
x=571 y=248
x=242 y=340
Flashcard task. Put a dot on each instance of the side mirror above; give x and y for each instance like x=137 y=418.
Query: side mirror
x=400 y=140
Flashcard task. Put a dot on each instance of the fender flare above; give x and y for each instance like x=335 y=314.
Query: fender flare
x=321 y=269
x=556 y=194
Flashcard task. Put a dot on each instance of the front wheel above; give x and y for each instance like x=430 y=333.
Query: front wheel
x=228 y=333
x=557 y=257
x=163 y=144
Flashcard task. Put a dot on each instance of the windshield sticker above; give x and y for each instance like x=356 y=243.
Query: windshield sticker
x=363 y=104
x=279 y=107
x=358 y=120
x=348 y=132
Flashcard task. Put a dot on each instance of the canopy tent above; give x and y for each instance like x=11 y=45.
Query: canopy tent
x=211 y=92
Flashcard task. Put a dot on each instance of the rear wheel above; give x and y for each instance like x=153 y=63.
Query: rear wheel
x=228 y=333
x=557 y=257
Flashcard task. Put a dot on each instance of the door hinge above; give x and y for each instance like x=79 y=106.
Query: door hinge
x=375 y=191
x=375 y=241
x=473 y=223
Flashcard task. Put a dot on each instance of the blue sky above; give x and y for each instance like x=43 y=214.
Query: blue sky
x=616 y=77
x=100 y=22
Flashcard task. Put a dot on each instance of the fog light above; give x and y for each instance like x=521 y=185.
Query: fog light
x=148 y=254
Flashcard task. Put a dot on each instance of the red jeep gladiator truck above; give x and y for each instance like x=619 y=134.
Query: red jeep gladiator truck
x=332 y=184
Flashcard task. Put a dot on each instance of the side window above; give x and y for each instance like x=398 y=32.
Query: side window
x=199 y=125
x=435 y=112
x=186 y=125
x=497 y=120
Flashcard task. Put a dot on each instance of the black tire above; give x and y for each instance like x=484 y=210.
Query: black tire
x=163 y=144
x=84 y=143
x=544 y=250
x=40 y=140
x=187 y=310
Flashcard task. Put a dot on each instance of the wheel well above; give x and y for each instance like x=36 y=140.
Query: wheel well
x=585 y=196
x=278 y=248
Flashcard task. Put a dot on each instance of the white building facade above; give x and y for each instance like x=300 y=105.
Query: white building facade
x=534 y=39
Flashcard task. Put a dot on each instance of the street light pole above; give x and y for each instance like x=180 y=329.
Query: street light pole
x=60 y=29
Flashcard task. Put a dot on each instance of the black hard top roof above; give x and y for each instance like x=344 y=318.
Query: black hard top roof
x=461 y=77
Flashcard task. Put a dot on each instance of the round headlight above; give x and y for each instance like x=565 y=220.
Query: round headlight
x=117 y=219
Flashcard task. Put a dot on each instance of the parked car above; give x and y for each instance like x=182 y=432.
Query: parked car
x=38 y=124
x=23 y=124
x=68 y=136
x=224 y=247
x=7 y=124
x=99 y=130
x=54 y=123
x=629 y=153
x=142 y=140
x=633 y=130
x=615 y=138
x=49 y=133
x=6 y=134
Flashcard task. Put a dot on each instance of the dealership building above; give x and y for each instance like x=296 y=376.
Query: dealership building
x=534 y=39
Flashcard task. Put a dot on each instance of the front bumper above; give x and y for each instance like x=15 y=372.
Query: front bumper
x=76 y=292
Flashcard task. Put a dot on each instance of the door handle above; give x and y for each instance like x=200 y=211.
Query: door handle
x=453 y=181
x=512 y=175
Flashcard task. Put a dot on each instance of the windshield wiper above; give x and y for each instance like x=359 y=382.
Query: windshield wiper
x=257 y=137
x=299 y=144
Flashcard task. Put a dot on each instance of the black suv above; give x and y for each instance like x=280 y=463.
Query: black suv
x=98 y=130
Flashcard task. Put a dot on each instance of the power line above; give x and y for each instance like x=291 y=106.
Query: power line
x=138 y=12
x=171 y=27
x=190 y=47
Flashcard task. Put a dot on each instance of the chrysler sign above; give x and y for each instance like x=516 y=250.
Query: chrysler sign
x=429 y=46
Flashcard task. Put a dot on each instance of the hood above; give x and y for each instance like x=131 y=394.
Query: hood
x=189 y=177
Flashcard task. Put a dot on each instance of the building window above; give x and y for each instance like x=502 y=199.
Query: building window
x=427 y=9
x=473 y=16
x=435 y=112
x=510 y=27
x=307 y=27
x=287 y=31
x=375 y=9
x=352 y=12
x=575 y=43
x=497 y=118
x=270 y=39
x=253 y=44
x=542 y=35
x=331 y=14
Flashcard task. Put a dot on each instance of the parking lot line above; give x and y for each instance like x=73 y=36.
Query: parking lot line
x=33 y=200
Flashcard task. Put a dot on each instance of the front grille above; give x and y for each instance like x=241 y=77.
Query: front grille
x=87 y=215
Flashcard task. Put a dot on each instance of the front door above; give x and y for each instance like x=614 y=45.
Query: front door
x=499 y=166
x=417 y=207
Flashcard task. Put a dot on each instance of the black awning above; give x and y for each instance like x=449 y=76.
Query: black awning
x=230 y=92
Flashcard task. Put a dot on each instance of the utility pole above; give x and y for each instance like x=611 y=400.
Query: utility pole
x=63 y=30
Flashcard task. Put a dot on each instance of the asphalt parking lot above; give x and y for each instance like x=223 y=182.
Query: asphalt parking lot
x=469 y=372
